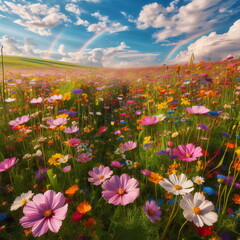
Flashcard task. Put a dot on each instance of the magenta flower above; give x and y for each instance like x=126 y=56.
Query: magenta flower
x=129 y=145
x=56 y=122
x=197 y=110
x=116 y=164
x=99 y=174
x=45 y=212
x=84 y=157
x=120 y=190
x=71 y=129
x=152 y=211
x=146 y=172
x=7 y=163
x=149 y=120
x=187 y=153
x=73 y=142
x=19 y=120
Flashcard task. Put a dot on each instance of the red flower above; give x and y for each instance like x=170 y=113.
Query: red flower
x=77 y=216
x=204 y=231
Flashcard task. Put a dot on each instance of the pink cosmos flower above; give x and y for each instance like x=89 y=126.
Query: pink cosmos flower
x=146 y=172
x=45 y=212
x=71 y=129
x=116 y=164
x=84 y=157
x=73 y=142
x=120 y=190
x=99 y=174
x=197 y=110
x=7 y=163
x=19 y=120
x=152 y=211
x=149 y=120
x=129 y=145
x=67 y=169
x=56 y=122
x=36 y=100
x=187 y=153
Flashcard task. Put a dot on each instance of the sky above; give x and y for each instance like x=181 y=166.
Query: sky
x=121 y=33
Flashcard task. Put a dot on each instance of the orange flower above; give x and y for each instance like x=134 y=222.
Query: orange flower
x=89 y=222
x=155 y=178
x=230 y=145
x=72 y=190
x=84 y=207
x=168 y=195
x=236 y=198
x=205 y=153
x=236 y=165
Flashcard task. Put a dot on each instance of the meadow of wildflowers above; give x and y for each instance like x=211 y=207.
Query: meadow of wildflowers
x=131 y=154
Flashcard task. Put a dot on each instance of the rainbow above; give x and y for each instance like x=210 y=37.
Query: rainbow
x=52 y=45
x=181 y=43
x=86 y=44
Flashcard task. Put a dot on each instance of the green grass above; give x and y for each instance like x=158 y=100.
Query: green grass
x=26 y=62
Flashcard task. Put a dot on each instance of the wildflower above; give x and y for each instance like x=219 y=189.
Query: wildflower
x=77 y=91
x=77 y=216
x=175 y=134
x=203 y=127
x=149 y=120
x=8 y=163
x=56 y=122
x=45 y=212
x=198 y=180
x=129 y=146
x=84 y=207
x=120 y=190
x=146 y=172
x=10 y=100
x=116 y=164
x=21 y=200
x=198 y=210
x=36 y=100
x=72 y=190
x=236 y=198
x=73 y=142
x=84 y=157
x=197 y=110
x=177 y=185
x=41 y=173
x=152 y=211
x=99 y=174
x=19 y=120
x=230 y=145
x=185 y=101
x=188 y=153
x=71 y=129
x=205 y=231
x=208 y=190
x=236 y=165
x=146 y=139
x=56 y=159
x=155 y=177
x=67 y=169
x=89 y=222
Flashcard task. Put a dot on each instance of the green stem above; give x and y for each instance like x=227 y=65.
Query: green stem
x=181 y=229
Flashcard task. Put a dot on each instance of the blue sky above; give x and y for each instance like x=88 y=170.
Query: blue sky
x=114 y=33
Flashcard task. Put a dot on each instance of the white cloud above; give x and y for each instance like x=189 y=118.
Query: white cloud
x=105 y=25
x=194 y=17
x=120 y=56
x=37 y=18
x=214 y=46
x=94 y=1
x=81 y=22
x=73 y=8
x=3 y=8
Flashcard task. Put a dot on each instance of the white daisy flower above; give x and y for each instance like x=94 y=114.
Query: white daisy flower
x=198 y=210
x=198 y=180
x=177 y=185
x=21 y=200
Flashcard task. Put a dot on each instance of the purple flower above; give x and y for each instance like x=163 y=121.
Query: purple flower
x=77 y=91
x=203 y=127
x=120 y=190
x=152 y=211
x=41 y=173
x=45 y=212
x=7 y=163
x=226 y=135
x=99 y=174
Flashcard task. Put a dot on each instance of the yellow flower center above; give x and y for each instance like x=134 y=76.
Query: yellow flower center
x=121 y=191
x=101 y=177
x=188 y=155
x=196 y=210
x=151 y=212
x=47 y=213
x=198 y=180
x=23 y=201
x=177 y=187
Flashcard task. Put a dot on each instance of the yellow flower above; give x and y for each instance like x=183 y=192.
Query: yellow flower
x=238 y=152
x=54 y=159
x=147 y=139
x=185 y=101
x=175 y=134
x=67 y=96
x=62 y=116
x=162 y=105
